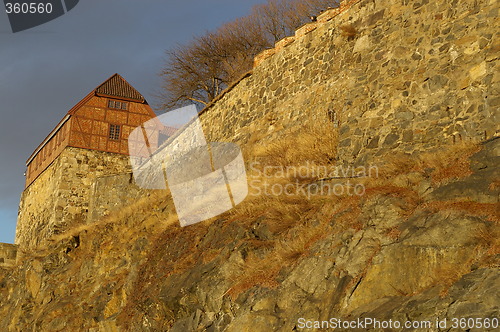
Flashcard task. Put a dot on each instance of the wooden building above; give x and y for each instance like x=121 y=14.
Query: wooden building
x=101 y=121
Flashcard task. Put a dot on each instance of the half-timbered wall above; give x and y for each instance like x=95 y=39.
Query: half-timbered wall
x=89 y=128
x=90 y=125
x=48 y=153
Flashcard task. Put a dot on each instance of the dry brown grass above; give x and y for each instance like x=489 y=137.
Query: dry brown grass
x=487 y=244
x=346 y=213
x=349 y=31
x=411 y=198
x=448 y=274
x=262 y=271
x=287 y=217
x=488 y=249
x=485 y=254
x=283 y=214
x=255 y=272
x=295 y=223
x=445 y=165
x=394 y=233
x=490 y=211
x=495 y=185
x=314 y=143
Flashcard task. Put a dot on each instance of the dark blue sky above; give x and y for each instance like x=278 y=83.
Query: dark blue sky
x=46 y=70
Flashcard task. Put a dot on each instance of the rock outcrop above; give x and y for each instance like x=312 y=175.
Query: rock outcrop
x=413 y=248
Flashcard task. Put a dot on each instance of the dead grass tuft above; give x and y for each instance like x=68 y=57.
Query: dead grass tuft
x=488 y=250
x=315 y=143
x=346 y=213
x=446 y=165
x=262 y=271
x=349 y=31
x=394 y=233
x=446 y=275
x=495 y=185
x=409 y=196
x=488 y=210
x=450 y=164
x=254 y=273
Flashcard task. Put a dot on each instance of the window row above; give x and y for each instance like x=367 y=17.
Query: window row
x=119 y=105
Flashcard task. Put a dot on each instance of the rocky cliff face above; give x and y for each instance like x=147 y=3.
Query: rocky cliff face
x=420 y=245
x=368 y=199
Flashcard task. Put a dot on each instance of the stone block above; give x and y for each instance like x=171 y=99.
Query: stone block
x=478 y=71
x=328 y=14
x=263 y=56
x=305 y=29
x=362 y=44
x=283 y=43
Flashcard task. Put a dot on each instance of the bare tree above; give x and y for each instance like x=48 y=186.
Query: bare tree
x=200 y=70
x=272 y=19
x=240 y=41
x=189 y=76
x=280 y=18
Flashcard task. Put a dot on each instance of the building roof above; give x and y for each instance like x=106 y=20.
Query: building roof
x=117 y=86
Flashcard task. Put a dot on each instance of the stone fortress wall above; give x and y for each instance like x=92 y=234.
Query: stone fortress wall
x=414 y=76
x=393 y=75
x=61 y=195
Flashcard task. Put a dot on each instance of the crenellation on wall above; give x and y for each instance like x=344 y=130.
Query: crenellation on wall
x=305 y=29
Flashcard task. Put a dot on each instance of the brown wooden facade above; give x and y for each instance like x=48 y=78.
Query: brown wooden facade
x=102 y=121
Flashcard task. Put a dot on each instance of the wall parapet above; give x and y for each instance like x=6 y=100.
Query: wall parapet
x=324 y=17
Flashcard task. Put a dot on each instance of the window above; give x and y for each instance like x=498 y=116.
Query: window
x=119 y=105
x=114 y=132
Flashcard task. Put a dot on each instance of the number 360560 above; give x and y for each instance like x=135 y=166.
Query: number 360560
x=28 y=8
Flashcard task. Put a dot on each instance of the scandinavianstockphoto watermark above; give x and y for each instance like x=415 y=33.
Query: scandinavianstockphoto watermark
x=339 y=180
x=205 y=178
x=461 y=323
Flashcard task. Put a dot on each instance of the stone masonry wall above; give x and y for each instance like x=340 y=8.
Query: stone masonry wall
x=112 y=192
x=60 y=197
x=416 y=75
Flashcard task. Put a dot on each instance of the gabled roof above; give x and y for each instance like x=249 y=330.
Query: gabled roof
x=117 y=86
